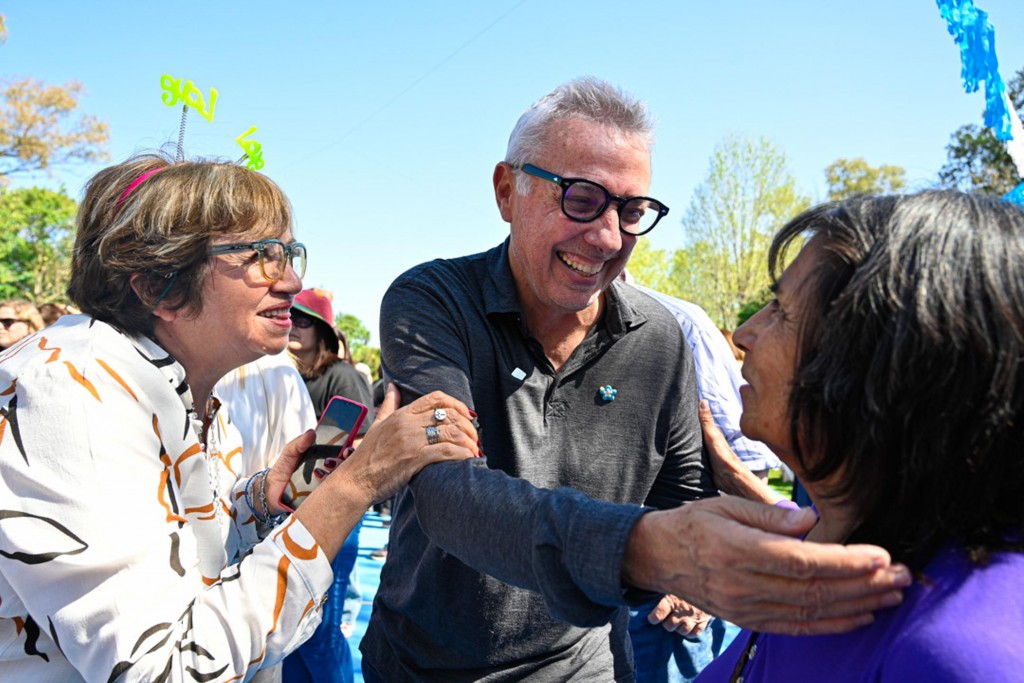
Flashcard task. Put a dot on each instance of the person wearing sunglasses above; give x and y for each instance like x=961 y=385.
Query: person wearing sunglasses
x=18 y=319
x=520 y=566
x=316 y=347
x=133 y=545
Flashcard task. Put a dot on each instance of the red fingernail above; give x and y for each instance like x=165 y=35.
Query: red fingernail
x=330 y=463
x=319 y=473
x=472 y=414
x=479 y=453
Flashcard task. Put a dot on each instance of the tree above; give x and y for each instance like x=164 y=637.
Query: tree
x=648 y=266
x=848 y=177
x=369 y=355
x=36 y=238
x=976 y=160
x=354 y=330
x=37 y=130
x=358 y=337
x=747 y=195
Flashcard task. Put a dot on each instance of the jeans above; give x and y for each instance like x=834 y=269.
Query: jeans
x=662 y=656
x=326 y=657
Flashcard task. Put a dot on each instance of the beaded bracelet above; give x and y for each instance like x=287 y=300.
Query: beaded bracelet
x=266 y=519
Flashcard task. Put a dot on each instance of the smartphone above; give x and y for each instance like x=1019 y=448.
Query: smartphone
x=336 y=430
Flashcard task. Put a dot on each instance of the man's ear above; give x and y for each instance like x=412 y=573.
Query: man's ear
x=504 y=187
x=139 y=286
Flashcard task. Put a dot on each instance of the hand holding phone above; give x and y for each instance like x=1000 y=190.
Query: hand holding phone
x=336 y=430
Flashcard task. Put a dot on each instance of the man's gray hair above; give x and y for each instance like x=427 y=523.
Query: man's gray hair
x=586 y=98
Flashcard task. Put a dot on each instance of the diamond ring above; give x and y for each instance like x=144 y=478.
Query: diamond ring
x=433 y=434
x=440 y=414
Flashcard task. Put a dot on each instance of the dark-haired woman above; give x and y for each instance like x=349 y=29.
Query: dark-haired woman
x=888 y=372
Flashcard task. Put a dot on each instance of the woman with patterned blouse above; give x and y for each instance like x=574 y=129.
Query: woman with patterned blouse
x=131 y=546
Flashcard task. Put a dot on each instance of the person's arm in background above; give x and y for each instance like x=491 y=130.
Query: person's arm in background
x=731 y=475
x=718 y=378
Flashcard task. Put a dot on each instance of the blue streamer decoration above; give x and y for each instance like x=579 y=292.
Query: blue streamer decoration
x=972 y=31
x=1016 y=195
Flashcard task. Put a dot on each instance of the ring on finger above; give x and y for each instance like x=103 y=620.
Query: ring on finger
x=440 y=414
x=433 y=434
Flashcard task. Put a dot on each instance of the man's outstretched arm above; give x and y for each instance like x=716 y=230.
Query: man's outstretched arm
x=734 y=558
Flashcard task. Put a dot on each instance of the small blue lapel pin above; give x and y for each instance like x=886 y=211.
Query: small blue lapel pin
x=607 y=392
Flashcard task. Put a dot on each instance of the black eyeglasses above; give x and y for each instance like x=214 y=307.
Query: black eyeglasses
x=584 y=201
x=275 y=256
x=7 y=322
x=301 y=321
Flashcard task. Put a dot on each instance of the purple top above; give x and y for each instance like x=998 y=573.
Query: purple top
x=957 y=623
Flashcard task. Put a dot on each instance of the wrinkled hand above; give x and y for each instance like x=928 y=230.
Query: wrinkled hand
x=727 y=556
x=395 y=448
x=675 y=614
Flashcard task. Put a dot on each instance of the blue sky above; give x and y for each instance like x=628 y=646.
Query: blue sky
x=383 y=121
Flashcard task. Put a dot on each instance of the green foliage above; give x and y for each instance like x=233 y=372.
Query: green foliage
x=849 y=177
x=976 y=160
x=354 y=330
x=746 y=196
x=753 y=306
x=36 y=238
x=648 y=266
x=780 y=485
x=358 y=339
x=369 y=355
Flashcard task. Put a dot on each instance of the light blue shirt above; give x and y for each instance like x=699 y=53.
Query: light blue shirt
x=718 y=377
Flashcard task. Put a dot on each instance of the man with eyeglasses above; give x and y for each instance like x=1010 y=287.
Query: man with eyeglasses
x=585 y=386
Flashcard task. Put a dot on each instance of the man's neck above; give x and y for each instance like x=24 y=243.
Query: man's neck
x=560 y=335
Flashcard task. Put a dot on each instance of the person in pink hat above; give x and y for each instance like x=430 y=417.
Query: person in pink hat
x=313 y=342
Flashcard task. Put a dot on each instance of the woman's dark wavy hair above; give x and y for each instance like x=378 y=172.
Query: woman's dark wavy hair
x=160 y=233
x=910 y=375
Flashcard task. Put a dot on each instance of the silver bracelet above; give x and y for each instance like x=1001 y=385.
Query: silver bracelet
x=266 y=519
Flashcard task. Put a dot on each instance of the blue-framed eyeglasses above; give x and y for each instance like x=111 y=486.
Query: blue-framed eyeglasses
x=584 y=201
x=275 y=256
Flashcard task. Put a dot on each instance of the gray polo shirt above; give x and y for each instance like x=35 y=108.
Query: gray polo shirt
x=457 y=326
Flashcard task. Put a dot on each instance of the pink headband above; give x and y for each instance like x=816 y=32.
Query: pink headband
x=135 y=183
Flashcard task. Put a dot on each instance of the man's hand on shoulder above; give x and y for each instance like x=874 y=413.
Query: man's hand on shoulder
x=737 y=559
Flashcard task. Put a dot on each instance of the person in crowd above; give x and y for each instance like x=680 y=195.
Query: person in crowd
x=676 y=650
x=316 y=347
x=18 y=319
x=887 y=373
x=131 y=548
x=344 y=352
x=320 y=352
x=582 y=383
x=51 y=311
